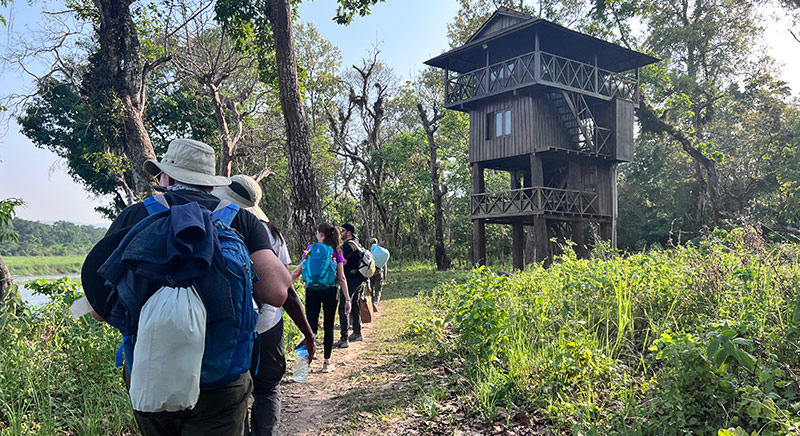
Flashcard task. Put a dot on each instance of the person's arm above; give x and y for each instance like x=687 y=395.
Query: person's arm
x=274 y=278
x=297 y=271
x=294 y=308
x=343 y=285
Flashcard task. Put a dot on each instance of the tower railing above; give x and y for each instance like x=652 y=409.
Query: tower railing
x=554 y=70
x=535 y=200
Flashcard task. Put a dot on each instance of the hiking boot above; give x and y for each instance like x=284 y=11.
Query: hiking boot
x=355 y=337
x=327 y=367
x=341 y=343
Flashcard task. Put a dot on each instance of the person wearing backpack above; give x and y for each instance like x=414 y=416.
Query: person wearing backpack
x=180 y=245
x=381 y=256
x=322 y=267
x=356 y=277
x=269 y=361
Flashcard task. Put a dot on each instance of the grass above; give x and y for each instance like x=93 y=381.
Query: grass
x=57 y=375
x=689 y=340
x=43 y=265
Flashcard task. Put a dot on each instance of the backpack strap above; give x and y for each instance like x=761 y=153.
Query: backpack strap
x=155 y=204
x=225 y=212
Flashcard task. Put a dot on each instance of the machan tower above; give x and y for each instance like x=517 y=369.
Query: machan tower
x=554 y=108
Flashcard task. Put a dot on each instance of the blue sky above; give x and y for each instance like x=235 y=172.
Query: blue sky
x=407 y=31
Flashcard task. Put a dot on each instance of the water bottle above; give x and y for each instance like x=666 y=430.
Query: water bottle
x=301 y=365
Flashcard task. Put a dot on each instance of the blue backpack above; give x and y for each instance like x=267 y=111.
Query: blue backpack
x=229 y=341
x=319 y=268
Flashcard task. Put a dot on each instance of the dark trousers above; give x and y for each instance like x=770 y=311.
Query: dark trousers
x=355 y=309
x=267 y=369
x=218 y=412
x=324 y=299
x=376 y=284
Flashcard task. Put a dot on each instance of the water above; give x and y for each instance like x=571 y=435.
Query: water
x=37 y=299
x=300 y=373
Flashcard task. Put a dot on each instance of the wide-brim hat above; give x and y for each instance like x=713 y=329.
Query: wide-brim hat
x=188 y=161
x=243 y=191
x=93 y=284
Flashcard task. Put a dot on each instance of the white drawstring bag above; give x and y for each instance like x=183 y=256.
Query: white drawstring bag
x=168 y=354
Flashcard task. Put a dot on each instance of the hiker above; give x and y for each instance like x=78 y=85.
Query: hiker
x=355 y=283
x=321 y=276
x=269 y=361
x=140 y=239
x=381 y=256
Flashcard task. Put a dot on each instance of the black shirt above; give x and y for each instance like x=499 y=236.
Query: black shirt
x=252 y=231
x=350 y=253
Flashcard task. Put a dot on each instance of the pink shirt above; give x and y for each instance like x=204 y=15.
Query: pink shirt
x=337 y=256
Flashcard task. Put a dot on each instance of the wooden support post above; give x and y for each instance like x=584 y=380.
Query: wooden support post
x=578 y=229
x=613 y=174
x=537 y=58
x=518 y=244
x=540 y=239
x=537 y=173
x=479 y=242
x=478 y=225
x=446 y=86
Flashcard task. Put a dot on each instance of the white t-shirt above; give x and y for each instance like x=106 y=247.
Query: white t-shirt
x=269 y=316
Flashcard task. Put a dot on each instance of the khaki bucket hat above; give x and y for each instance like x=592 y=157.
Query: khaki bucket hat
x=188 y=161
x=243 y=191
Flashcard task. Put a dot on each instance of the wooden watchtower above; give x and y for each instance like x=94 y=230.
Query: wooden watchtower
x=553 y=107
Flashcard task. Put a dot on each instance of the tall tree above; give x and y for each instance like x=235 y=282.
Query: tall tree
x=265 y=27
x=431 y=93
x=368 y=88
x=226 y=76
x=116 y=86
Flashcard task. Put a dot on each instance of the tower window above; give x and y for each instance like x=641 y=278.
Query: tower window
x=499 y=124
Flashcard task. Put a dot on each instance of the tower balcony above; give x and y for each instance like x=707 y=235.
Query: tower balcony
x=539 y=68
x=504 y=206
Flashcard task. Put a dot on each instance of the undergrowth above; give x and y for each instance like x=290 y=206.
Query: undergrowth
x=699 y=339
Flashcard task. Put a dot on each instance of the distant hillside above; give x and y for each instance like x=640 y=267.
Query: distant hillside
x=58 y=239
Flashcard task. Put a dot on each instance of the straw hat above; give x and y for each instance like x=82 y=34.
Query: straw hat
x=188 y=161
x=243 y=191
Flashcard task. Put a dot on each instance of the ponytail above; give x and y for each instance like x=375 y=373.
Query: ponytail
x=330 y=235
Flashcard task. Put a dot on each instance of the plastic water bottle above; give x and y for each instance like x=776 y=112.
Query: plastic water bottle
x=301 y=365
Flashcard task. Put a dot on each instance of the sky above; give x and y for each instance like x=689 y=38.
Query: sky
x=407 y=32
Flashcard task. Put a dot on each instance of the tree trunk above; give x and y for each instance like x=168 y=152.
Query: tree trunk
x=227 y=146
x=5 y=280
x=306 y=207
x=116 y=84
x=442 y=259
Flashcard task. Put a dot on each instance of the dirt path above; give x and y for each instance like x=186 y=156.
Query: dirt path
x=308 y=408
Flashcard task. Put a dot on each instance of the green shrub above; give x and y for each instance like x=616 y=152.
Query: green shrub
x=687 y=340
x=57 y=374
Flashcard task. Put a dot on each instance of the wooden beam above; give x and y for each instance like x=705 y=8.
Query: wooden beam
x=537 y=173
x=478 y=242
x=540 y=240
x=446 y=86
x=537 y=58
x=518 y=244
x=613 y=174
x=478 y=225
x=578 y=229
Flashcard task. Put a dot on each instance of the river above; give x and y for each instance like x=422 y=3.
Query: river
x=33 y=298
